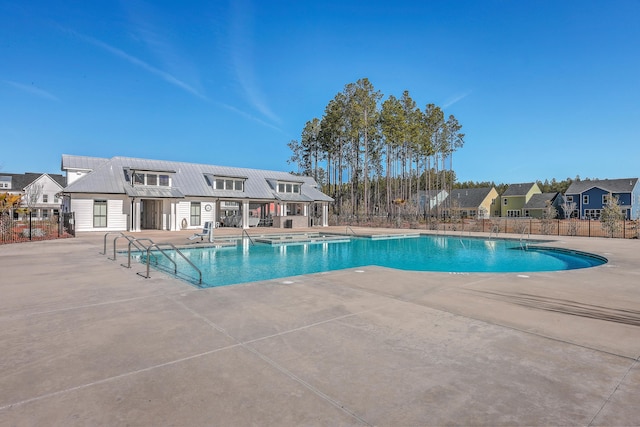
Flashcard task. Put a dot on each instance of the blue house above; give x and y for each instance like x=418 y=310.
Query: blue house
x=592 y=195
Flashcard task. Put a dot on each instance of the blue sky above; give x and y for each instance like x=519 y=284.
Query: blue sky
x=543 y=89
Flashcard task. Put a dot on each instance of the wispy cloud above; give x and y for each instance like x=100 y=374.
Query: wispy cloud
x=33 y=90
x=169 y=78
x=241 y=51
x=151 y=28
x=456 y=98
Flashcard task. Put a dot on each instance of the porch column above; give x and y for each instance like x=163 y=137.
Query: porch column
x=173 y=215
x=325 y=214
x=245 y=214
x=135 y=213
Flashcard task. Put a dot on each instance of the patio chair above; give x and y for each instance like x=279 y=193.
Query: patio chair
x=207 y=231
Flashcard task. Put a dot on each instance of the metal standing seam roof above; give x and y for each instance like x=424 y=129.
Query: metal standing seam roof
x=189 y=180
x=81 y=162
x=622 y=185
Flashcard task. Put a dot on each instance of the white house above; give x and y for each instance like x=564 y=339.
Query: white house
x=131 y=194
x=40 y=192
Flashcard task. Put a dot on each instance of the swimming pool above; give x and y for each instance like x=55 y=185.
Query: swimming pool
x=249 y=262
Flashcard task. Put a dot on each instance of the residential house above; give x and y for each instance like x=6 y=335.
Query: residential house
x=591 y=196
x=515 y=197
x=131 y=194
x=40 y=193
x=538 y=203
x=479 y=203
x=429 y=200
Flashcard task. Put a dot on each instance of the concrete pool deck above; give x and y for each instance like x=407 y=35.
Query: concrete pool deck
x=86 y=341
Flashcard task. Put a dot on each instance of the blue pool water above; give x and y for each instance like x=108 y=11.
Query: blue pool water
x=248 y=263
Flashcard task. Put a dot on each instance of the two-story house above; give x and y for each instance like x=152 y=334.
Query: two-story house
x=591 y=196
x=479 y=203
x=515 y=197
x=40 y=193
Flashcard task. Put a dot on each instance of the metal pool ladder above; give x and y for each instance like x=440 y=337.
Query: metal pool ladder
x=148 y=249
x=175 y=266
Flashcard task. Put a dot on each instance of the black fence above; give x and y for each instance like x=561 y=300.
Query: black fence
x=56 y=227
x=557 y=227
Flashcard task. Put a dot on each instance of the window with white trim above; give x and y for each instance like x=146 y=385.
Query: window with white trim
x=99 y=213
x=605 y=199
x=45 y=198
x=153 y=179
x=569 y=198
x=585 y=199
x=505 y=201
x=289 y=187
x=195 y=213
x=228 y=184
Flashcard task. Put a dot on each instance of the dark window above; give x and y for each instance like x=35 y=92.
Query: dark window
x=195 y=213
x=99 y=213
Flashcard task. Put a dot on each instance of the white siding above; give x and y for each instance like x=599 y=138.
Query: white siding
x=183 y=214
x=83 y=208
x=74 y=175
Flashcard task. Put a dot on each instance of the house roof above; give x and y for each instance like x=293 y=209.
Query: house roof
x=81 y=162
x=518 y=189
x=469 y=197
x=539 y=201
x=189 y=179
x=19 y=181
x=623 y=185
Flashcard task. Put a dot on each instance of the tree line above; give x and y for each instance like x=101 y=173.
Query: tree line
x=374 y=157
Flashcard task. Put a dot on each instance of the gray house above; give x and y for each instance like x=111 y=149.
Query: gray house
x=132 y=194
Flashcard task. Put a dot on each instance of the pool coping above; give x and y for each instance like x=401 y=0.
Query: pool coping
x=89 y=342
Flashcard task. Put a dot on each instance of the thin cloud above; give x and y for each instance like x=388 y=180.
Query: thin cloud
x=152 y=30
x=33 y=90
x=249 y=116
x=457 y=98
x=140 y=63
x=241 y=47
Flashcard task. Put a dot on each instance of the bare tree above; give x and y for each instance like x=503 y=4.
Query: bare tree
x=549 y=213
x=568 y=209
x=611 y=216
x=31 y=197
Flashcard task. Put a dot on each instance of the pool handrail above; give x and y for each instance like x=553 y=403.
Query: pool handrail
x=130 y=239
x=141 y=248
x=244 y=233
x=175 y=266
x=104 y=251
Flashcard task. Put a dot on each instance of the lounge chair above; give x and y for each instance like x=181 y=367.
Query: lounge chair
x=207 y=231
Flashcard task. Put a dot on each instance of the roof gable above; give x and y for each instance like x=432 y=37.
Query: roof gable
x=622 y=185
x=20 y=181
x=518 y=189
x=469 y=197
x=539 y=201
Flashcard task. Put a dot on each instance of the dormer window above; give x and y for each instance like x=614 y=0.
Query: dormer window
x=288 y=187
x=228 y=184
x=156 y=179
